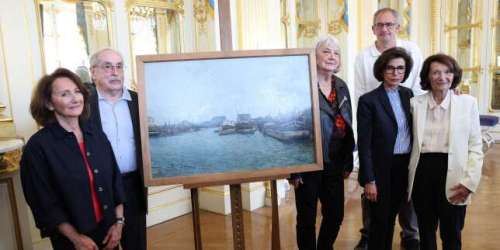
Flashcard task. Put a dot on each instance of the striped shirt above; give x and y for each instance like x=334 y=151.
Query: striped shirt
x=402 y=145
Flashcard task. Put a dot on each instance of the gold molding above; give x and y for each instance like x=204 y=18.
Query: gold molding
x=309 y=28
x=475 y=69
x=11 y=160
x=435 y=19
x=448 y=28
x=177 y=5
x=201 y=9
x=337 y=25
x=494 y=22
x=108 y=6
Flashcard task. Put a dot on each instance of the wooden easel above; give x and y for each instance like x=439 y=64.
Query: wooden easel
x=235 y=188
x=237 y=212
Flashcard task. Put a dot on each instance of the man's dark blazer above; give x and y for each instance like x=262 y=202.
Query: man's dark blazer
x=377 y=132
x=95 y=118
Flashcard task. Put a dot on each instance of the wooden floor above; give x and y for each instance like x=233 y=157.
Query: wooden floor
x=482 y=227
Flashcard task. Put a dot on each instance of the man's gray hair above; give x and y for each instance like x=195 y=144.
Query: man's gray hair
x=395 y=14
x=328 y=40
x=94 y=59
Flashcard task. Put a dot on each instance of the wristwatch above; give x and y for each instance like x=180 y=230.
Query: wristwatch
x=120 y=220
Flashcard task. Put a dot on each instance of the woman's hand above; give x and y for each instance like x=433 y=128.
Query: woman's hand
x=83 y=242
x=460 y=195
x=371 y=192
x=80 y=241
x=113 y=237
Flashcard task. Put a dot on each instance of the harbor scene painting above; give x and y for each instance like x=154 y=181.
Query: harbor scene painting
x=229 y=115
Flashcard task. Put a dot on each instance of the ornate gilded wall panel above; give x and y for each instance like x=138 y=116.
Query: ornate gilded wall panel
x=155 y=28
x=463 y=39
x=495 y=66
x=337 y=16
x=73 y=30
x=204 y=25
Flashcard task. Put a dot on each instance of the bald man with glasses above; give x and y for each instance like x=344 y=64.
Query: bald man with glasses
x=386 y=26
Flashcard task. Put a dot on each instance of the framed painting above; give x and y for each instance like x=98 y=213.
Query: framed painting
x=228 y=117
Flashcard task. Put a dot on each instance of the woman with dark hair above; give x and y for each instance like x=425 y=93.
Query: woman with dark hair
x=446 y=160
x=69 y=174
x=337 y=139
x=384 y=144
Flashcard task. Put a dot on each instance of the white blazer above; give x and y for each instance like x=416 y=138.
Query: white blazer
x=465 y=155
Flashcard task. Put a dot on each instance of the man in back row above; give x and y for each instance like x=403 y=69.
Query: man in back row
x=115 y=110
x=386 y=25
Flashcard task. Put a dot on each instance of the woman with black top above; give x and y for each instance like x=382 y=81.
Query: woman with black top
x=69 y=174
x=337 y=140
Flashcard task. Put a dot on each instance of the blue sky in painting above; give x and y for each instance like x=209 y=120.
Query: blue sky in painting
x=198 y=90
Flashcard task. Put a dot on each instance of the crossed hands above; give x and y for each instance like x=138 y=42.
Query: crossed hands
x=111 y=240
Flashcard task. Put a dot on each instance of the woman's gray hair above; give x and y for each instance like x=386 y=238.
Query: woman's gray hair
x=328 y=40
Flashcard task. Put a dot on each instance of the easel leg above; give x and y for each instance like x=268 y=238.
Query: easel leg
x=196 y=219
x=237 y=217
x=275 y=217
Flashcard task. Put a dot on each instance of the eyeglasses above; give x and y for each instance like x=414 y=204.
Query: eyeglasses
x=108 y=67
x=392 y=69
x=389 y=26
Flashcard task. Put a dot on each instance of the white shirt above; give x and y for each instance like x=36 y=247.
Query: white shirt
x=365 y=81
x=437 y=126
x=117 y=125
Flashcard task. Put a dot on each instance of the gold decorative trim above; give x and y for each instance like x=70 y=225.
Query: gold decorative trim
x=108 y=6
x=6 y=119
x=475 y=69
x=9 y=161
x=308 y=28
x=403 y=32
x=201 y=9
x=337 y=25
x=448 y=28
x=435 y=17
x=177 y=5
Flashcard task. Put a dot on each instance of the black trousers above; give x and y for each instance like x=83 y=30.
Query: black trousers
x=391 y=191
x=432 y=206
x=134 y=231
x=61 y=242
x=329 y=189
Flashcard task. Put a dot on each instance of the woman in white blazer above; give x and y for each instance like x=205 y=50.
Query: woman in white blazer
x=446 y=159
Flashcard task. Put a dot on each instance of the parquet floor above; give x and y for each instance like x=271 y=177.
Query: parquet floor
x=482 y=228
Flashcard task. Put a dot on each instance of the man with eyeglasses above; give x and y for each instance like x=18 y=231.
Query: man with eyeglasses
x=114 y=109
x=386 y=25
